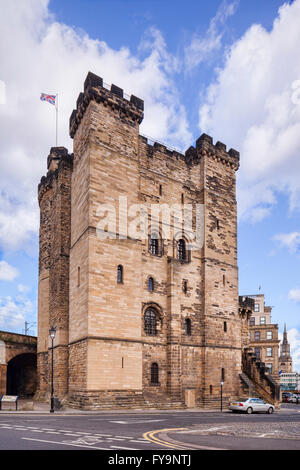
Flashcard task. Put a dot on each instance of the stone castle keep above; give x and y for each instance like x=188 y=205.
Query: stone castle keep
x=138 y=321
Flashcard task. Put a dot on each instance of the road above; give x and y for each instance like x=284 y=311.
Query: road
x=156 y=430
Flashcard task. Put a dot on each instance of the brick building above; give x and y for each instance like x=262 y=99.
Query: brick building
x=139 y=319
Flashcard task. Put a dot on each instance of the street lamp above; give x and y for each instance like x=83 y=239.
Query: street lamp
x=52 y=332
x=221 y=383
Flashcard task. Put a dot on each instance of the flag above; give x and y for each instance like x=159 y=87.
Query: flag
x=49 y=98
x=280 y=372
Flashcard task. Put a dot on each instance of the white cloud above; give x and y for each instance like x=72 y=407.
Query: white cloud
x=202 y=48
x=7 y=272
x=289 y=240
x=294 y=294
x=39 y=54
x=253 y=106
x=23 y=289
x=14 y=312
x=293 y=336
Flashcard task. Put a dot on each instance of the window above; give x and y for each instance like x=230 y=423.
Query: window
x=120 y=274
x=257 y=352
x=257 y=335
x=155 y=244
x=225 y=326
x=154 y=373
x=210 y=389
x=188 y=327
x=269 y=368
x=181 y=250
x=78 y=276
x=262 y=320
x=150 y=322
x=252 y=321
x=269 y=334
x=160 y=190
x=223 y=375
x=269 y=352
x=182 y=198
x=185 y=286
x=256 y=308
x=151 y=284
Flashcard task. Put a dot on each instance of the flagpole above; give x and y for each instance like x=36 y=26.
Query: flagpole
x=56 y=108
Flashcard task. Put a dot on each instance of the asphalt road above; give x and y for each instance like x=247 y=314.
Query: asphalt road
x=178 y=431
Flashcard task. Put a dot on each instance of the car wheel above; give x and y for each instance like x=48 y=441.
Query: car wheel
x=270 y=410
x=249 y=410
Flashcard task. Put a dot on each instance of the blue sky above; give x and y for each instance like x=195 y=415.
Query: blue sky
x=228 y=68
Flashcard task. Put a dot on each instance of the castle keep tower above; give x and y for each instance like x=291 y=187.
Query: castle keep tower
x=141 y=320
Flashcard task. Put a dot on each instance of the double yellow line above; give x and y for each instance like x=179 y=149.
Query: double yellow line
x=150 y=436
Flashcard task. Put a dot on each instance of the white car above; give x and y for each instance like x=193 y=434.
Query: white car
x=293 y=398
x=251 y=405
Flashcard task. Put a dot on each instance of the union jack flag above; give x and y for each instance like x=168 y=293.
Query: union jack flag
x=49 y=98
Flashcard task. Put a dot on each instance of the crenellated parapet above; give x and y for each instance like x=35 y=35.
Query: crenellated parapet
x=154 y=146
x=205 y=148
x=57 y=159
x=131 y=109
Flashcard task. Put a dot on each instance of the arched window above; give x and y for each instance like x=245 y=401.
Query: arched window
x=150 y=321
x=154 y=244
x=120 y=274
x=154 y=373
x=181 y=250
x=188 y=327
x=151 y=284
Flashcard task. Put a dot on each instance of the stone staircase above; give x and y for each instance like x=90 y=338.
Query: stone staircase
x=256 y=381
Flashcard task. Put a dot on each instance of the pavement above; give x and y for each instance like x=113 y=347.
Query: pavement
x=27 y=406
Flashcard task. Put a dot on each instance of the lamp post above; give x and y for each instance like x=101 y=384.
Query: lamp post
x=221 y=383
x=52 y=332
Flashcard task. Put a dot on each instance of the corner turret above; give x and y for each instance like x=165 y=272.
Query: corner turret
x=130 y=109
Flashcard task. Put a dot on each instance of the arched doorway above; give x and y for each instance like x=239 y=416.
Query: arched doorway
x=22 y=375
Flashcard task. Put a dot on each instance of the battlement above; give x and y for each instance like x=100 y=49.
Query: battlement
x=56 y=153
x=204 y=146
x=94 y=89
x=155 y=146
x=57 y=157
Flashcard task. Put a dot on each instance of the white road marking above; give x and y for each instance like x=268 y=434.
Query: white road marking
x=125 y=448
x=115 y=439
x=138 y=421
x=64 y=443
x=141 y=442
x=202 y=430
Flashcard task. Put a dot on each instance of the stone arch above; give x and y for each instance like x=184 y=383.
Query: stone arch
x=22 y=375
